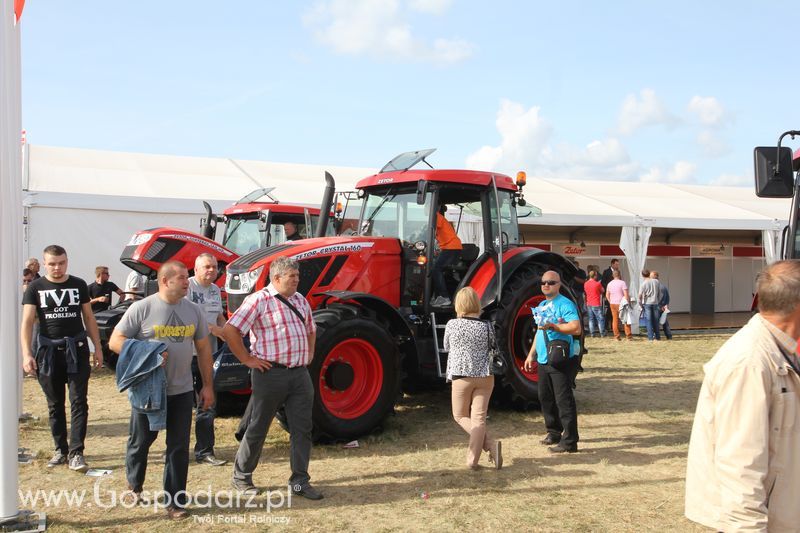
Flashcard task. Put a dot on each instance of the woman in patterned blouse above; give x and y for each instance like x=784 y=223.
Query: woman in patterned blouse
x=467 y=339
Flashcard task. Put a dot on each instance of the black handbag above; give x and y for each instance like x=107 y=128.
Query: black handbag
x=558 y=352
x=497 y=365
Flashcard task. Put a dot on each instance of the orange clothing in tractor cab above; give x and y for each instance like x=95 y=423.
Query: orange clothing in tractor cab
x=446 y=235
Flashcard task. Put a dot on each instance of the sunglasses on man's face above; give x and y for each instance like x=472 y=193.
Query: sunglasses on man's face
x=550 y=283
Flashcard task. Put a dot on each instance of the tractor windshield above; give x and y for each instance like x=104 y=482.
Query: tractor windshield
x=242 y=235
x=394 y=214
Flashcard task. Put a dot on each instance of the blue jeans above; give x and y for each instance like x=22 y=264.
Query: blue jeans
x=597 y=320
x=651 y=315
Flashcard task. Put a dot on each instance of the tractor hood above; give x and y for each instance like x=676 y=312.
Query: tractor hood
x=318 y=247
x=326 y=263
x=149 y=249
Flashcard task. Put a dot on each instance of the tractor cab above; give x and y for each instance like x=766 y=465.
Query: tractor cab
x=404 y=203
x=255 y=222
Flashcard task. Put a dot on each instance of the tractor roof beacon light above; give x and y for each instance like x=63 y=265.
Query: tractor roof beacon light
x=522 y=179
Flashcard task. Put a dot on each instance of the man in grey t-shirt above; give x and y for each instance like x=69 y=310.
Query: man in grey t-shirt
x=650 y=297
x=169 y=318
x=207 y=295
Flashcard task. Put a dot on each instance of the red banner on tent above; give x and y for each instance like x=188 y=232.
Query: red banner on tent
x=18 y=5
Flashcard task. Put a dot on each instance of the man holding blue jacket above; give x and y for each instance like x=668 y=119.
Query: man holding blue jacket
x=168 y=317
x=559 y=320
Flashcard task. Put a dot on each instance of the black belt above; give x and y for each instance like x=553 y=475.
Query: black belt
x=273 y=364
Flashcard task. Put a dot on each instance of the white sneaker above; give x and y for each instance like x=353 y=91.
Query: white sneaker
x=78 y=463
x=441 y=301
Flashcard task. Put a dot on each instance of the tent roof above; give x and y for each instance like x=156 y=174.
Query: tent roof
x=610 y=203
x=95 y=179
x=98 y=172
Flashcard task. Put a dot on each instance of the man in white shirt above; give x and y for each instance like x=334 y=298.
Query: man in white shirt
x=207 y=295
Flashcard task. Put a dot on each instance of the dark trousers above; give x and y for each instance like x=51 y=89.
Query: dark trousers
x=558 y=402
x=176 y=469
x=204 y=437
x=652 y=314
x=667 y=329
x=53 y=387
x=293 y=388
x=245 y=421
x=446 y=257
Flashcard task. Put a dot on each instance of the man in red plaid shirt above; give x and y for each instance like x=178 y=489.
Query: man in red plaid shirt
x=282 y=335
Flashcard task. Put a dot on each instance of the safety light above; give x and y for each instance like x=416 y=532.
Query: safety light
x=338 y=207
x=422 y=259
x=521 y=179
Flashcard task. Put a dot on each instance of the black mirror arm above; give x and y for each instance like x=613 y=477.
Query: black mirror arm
x=777 y=169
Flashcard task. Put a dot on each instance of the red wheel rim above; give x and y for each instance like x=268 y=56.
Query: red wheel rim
x=520 y=329
x=361 y=363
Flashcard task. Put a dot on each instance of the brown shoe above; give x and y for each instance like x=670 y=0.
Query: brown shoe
x=177 y=513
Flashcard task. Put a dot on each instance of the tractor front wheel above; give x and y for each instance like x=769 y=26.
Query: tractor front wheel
x=356 y=373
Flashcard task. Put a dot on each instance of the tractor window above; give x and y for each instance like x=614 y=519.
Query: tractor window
x=242 y=235
x=329 y=232
x=507 y=219
x=394 y=215
x=348 y=224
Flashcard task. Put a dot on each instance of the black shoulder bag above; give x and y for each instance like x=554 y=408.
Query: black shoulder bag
x=497 y=365
x=288 y=304
x=558 y=352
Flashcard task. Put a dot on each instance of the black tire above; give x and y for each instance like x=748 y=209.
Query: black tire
x=356 y=373
x=515 y=332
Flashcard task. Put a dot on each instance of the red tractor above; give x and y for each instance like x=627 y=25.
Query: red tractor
x=254 y=222
x=371 y=291
x=250 y=225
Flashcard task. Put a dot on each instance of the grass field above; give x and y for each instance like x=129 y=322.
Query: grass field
x=635 y=402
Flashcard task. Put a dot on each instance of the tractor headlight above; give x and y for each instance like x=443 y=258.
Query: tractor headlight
x=140 y=238
x=244 y=282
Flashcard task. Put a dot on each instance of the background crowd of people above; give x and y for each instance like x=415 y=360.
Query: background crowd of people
x=608 y=304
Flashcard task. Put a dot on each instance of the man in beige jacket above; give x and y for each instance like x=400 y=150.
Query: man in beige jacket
x=743 y=471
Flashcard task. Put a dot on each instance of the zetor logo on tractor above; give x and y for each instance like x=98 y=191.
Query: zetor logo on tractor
x=371 y=291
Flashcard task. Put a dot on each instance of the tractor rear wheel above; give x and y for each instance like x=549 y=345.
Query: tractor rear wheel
x=516 y=330
x=356 y=373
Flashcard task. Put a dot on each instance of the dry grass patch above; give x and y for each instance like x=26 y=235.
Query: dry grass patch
x=635 y=401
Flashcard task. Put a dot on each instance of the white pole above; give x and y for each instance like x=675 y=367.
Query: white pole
x=10 y=253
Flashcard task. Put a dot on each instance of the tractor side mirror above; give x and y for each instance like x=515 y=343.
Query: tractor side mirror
x=262 y=222
x=422 y=191
x=774 y=178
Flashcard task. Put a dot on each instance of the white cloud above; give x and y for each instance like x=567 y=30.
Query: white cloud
x=732 y=180
x=524 y=145
x=642 y=111
x=712 y=144
x=708 y=110
x=435 y=7
x=523 y=135
x=680 y=172
x=379 y=28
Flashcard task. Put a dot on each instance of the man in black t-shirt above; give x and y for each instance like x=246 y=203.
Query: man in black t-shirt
x=61 y=303
x=100 y=291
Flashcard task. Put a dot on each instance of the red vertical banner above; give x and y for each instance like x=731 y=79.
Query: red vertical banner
x=18 y=5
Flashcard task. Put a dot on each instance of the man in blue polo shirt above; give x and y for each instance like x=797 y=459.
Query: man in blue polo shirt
x=558 y=318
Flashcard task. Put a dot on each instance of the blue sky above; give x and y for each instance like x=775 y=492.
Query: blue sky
x=636 y=91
